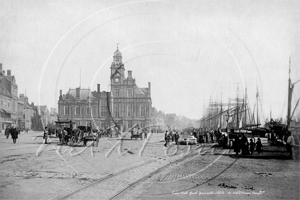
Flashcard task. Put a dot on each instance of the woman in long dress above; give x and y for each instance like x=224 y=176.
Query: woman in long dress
x=236 y=145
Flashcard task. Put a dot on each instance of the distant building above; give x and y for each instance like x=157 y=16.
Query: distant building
x=8 y=99
x=53 y=115
x=21 y=115
x=126 y=104
x=84 y=107
x=28 y=112
x=36 y=120
x=45 y=115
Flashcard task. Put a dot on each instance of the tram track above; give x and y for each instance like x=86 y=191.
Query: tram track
x=72 y=191
x=113 y=185
x=135 y=188
x=143 y=179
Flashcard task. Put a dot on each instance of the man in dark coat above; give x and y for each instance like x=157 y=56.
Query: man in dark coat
x=166 y=139
x=244 y=145
x=176 y=137
x=259 y=146
x=236 y=145
x=14 y=134
x=7 y=132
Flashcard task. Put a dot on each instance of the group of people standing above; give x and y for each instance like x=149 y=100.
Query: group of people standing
x=245 y=146
x=204 y=137
x=14 y=132
x=77 y=137
x=171 y=136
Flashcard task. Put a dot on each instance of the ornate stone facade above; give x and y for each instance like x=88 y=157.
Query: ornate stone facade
x=126 y=104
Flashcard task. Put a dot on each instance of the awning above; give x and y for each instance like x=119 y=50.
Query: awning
x=7 y=111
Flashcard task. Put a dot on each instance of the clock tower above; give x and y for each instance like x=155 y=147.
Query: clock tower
x=117 y=69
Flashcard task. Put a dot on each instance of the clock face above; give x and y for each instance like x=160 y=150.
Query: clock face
x=117 y=80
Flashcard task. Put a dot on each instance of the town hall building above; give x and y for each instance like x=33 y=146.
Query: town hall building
x=125 y=105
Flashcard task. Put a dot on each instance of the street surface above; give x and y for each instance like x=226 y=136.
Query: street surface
x=141 y=169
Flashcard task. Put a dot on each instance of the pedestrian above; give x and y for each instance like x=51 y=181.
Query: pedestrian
x=85 y=135
x=63 y=135
x=273 y=138
x=245 y=143
x=46 y=135
x=176 y=138
x=7 y=132
x=14 y=135
x=97 y=139
x=236 y=145
x=206 y=137
x=59 y=133
x=290 y=143
x=212 y=137
x=166 y=139
x=252 y=145
x=259 y=146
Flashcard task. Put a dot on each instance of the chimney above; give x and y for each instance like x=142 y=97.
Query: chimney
x=0 y=67
x=98 y=88
x=77 y=93
x=149 y=88
x=129 y=74
x=60 y=95
x=21 y=97
x=8 y=72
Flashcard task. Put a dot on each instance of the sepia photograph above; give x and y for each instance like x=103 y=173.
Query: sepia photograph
x=149 y=99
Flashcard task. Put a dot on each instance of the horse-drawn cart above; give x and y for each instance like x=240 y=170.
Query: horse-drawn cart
x=136 y=135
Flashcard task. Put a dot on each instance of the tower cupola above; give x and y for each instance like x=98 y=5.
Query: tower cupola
x=117 y=56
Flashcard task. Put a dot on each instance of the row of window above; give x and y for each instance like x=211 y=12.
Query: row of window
x=7 y=104
x=119 y=110
x=116 y=93
x=123 y=110
x=104 y=124
x=80 y=110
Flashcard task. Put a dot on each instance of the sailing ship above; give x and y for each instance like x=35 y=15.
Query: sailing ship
x=236 y=117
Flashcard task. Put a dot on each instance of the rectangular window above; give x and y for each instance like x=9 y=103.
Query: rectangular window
x=138 y=110
x=103 y=108
x=88 y=110
x=116 y=110
x=147 y=110
x=130 y=124
x=120 y=110
x=117 y=93
x=142 y=124
x=66 y=110
x=142 y=110
x=129 y=110
x=94 y=111
x=77 y=110
x=123 y=110
x=129 y=93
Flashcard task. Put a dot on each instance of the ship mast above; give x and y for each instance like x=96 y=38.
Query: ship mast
x=290 y=93
x=290 y=90
x=256 y=106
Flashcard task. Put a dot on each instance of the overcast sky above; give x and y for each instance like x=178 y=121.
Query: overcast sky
x=188 y=50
